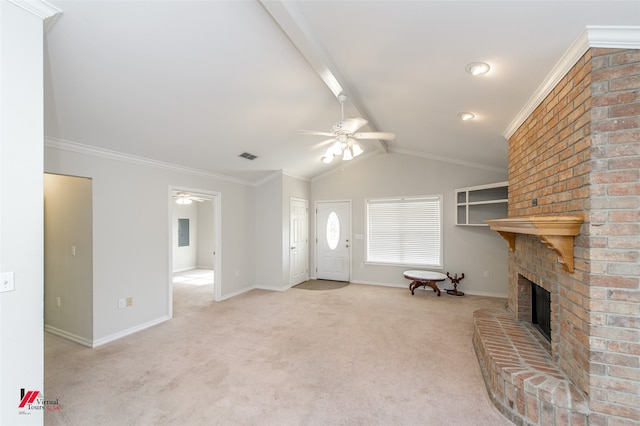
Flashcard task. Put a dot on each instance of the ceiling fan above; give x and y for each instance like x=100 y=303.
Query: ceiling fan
x=186 y=198
x=344 y=135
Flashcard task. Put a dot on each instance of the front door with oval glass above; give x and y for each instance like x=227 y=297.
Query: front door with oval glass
x=333 y=234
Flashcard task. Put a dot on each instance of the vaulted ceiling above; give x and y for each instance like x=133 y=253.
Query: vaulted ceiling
x=196 y=83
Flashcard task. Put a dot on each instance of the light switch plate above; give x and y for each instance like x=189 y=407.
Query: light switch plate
x=7 y=282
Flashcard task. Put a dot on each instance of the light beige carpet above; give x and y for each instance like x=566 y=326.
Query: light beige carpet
x=359 y=355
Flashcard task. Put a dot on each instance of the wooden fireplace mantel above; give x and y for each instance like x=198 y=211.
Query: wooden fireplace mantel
x=556 y=232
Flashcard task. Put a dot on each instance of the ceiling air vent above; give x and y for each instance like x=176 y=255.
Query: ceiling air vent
x=248 y=156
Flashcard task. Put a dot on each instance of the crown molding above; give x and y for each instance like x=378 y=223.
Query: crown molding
x=340 y=167
x=269 y=177
x=93 y=151
x=291 y=175
x=624 y=37
x=613 y=37
x=42 y=9
x=449 y=160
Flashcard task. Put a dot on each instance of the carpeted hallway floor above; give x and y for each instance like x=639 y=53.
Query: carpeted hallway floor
x=357 y=355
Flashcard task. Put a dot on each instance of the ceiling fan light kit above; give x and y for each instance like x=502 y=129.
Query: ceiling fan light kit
x=344 y=135
x=183 y=200
x=357 y=150
x=464 y=116
x=348 y=150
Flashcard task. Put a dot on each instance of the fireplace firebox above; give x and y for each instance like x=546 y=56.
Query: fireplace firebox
x=541 y=310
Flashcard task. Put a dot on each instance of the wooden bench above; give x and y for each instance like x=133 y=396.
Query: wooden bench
x=424 y=278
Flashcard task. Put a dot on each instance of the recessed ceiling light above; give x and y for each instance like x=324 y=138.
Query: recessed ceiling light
x=477 y=68
x=464 y=116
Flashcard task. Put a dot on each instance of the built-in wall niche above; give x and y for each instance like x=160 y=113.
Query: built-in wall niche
x=475 y=204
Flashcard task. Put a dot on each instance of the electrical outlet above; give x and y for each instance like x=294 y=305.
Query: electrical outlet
x=129 y=301
x=58 y=302
x=122 y=303
x=486 y=274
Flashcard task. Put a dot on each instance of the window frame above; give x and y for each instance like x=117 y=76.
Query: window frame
x=439 y=198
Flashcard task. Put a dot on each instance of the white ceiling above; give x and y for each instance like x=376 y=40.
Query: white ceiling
x=196 y=83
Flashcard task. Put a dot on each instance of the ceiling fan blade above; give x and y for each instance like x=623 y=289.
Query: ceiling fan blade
x=375 y=135
x=351 y=125
x=321 y=144
x=313 y=132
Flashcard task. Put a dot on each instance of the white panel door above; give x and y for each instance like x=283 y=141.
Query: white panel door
x=299 y=241
x=333 y=240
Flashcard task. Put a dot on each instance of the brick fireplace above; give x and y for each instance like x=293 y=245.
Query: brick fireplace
x=578 y=153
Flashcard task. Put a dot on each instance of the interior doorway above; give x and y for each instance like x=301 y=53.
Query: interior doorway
x=68 y=257
x=194 y=267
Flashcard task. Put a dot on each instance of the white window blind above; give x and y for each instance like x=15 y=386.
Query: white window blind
x=405 y=231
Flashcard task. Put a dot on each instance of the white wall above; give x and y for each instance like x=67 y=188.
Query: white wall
x=269 y=237
x=131 y=234
x=68 y=257
x=206 y=235
x=468 y=250
x=272 y=229
x=21 y=207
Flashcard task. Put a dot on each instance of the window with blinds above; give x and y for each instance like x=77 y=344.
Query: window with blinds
x=405 y=231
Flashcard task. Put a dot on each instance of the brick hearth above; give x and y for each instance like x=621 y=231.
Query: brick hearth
x=578 y=153
x=523 y=381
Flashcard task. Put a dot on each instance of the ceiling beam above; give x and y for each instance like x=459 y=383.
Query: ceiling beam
x=287 y=16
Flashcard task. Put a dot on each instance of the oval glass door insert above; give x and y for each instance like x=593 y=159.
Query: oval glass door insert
x=333 y=230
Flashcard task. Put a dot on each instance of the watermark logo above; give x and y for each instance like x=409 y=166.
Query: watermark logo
x=33 y=401
x=28 y=398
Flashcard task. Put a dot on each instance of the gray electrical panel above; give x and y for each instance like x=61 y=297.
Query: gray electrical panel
x=183 y=232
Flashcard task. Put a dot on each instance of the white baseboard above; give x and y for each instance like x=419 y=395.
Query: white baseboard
x=395 y=285
x=128 y=331
x=69 y=336
x=285 y=288
x=188 y=268
x=205 y=267
x=465 y=291
x=237 y=293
